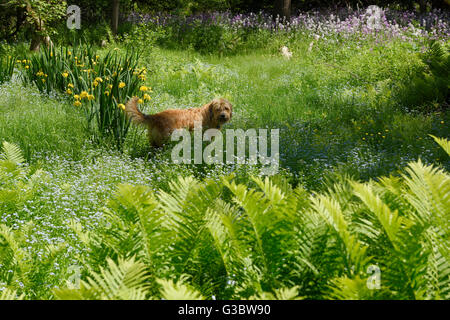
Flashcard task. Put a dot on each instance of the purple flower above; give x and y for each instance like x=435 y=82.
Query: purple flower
x=339 y=22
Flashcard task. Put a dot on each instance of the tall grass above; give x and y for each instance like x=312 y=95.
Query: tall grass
x=7 y=64
x=99 y=85
x=41 y=125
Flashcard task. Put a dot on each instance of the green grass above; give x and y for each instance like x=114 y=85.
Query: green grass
x=344 y=112
x=40 y=124
x=341 y=113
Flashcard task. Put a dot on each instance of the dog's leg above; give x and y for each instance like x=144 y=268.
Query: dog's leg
x=155 y=137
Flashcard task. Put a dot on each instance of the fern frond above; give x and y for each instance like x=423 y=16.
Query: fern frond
x=174 y=201
x=223 y=222
x=185 y=208
x=137 y=223
x=438 y=268
x=278 y=294
x=444 y=143
x=18 y=258
x=228 y=229
x=272 y=215
x=344 y=288
x=8 y=294
x=429 y=193
x=126 y=280
x=171 y=290
x=11 y=152
x=390 y=220
x=355 y=251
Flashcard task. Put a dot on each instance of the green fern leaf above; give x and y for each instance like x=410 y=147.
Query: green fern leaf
x=390 y=220
x=344 y=288
x=444 y=143
x=171 y=290
x=12 y=153
x=126 y=280
x=8 y=294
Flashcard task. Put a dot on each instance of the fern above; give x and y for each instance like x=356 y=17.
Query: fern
x=17 y=184
x=8 y=294
x=269 y=241
x=444 y=143
x=125 y=280
x=11 y=153
x=355 y=257
x=19 y=268
x=390 y=220
x=344 y=288
x=430 y=84
x=227 y=228
x=171 y=290
x=278 y=294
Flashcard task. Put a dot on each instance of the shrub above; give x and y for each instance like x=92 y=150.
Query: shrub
x=100 y=85
x=429 y=89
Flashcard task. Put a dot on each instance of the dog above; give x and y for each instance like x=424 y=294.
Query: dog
x=161 y=125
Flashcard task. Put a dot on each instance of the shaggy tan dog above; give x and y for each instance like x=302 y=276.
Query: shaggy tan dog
x=161 y=125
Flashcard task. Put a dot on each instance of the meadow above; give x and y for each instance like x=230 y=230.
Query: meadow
x=90 y=211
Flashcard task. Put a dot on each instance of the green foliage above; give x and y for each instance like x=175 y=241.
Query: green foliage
x=445 y=144
x=125 y=280
x=39 y=124
x=20 y=269
x=16 y=183
x=201 y=36
x=6 y=68
x=429 y=88
x=12 y=154
x=207 y=38
x=100 y=85
x=141 y=227
x=42 y=15
x=178 y=291
x=234 y=241
x=8 y=294
x=94 y=33
x=262 y=240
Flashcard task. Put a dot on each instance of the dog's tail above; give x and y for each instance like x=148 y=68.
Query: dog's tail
x=132 y=111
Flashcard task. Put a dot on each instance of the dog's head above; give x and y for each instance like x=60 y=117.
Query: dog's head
x=220 y=111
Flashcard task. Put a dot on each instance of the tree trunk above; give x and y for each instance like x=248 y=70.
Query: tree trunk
x=423 y=5
x=115 y=16
x=35 y=42
x=283 y=8
x=38 y=25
